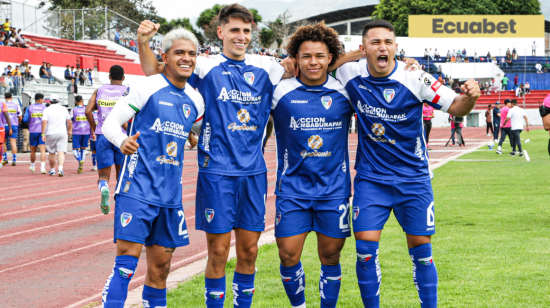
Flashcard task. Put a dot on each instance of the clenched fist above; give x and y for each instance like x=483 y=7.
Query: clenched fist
x=471 y=89
x=147 y=29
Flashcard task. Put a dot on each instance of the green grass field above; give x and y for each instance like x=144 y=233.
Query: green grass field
x=492 y=247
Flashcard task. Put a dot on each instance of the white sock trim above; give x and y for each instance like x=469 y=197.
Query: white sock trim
x=301 y=306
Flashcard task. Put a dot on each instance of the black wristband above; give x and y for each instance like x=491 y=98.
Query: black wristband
x=544 y=111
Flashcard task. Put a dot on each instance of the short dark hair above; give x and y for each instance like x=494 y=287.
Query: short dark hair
x=38 y=96
x=116 y=72
x=379 y=23
x=315 y=33
x=514 y=102
x=7 y=95
x=78 y=98
x=234 y=10
x=489 y=106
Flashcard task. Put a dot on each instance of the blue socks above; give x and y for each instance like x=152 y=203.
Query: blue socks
x=329 y=285
x=14 y=158
x=294 y=282
x=5 y=156
x=115 y=290
x=76 y=154
x=424 y=275
x=103 y=185
x=94 y=161
x=243 y=289
x=368 y=271
x=153 y=298
x=214 y=292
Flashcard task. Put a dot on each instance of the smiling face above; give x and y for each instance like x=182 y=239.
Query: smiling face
x=236 y=35
x=380 y=48
x=313 y=59
x=180 y=60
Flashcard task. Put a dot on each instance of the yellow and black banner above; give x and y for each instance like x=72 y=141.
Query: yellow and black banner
x=476 y=25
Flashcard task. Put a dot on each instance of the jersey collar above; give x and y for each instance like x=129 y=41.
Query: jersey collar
x=172 y=85
x=233 y=60
x=313 y=87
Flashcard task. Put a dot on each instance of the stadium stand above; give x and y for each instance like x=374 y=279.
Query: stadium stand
x=532 y=100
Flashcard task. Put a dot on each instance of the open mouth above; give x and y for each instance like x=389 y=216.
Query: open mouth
x=239 y=45
x=184 y=66
x=382 y=61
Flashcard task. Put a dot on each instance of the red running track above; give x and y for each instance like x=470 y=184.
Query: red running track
x=56 y=246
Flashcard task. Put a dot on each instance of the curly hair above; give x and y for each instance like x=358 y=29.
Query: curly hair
x=315 y=33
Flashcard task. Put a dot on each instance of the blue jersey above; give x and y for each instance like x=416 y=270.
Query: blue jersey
x=164 y=117
x=311 y=127
x=238 y=97
x=389 y=110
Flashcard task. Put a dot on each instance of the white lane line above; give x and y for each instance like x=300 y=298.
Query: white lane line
x=49 y=182
x=40 y=194
x=46 y=206
x=142 y=277
x=64 y=253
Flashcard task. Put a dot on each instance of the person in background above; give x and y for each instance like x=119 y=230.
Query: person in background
x=4 y=123
x=71 y=88
x=520 y=91
x=81 y=131
x=527 y=88
x=56 y=128
x=117 y=36
x=538 y=68
x=428 y=115
x=15 y=117
x=496 y=121
x=489 y=120
x=90 y=76
x=547 y=67
x=33 y=116
x=534 y=53
x=515 y=82
x=505 y=83
x=516 y=115
x=505 y=128
x=25 y=127
x=436 y=55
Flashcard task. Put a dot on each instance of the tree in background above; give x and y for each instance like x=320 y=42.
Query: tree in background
x=166 y=27
x=206 y=16
x=267 y=37
x=397 y=11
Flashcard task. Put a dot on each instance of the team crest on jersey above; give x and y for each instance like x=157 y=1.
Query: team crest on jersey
x=209 y=213
x=172 y=149
x=249 y=77
x=327 y=101
x=389 y=94
x=277 y=218
x=125 y=219
x=125 y=273
x=186 y=110
x=315 y=142
x=426 y=261
x=355 y=212
x=217 y=294
x=364 y=258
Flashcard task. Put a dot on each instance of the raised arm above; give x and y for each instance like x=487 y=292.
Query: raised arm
x=149 y=63
x=89 y=110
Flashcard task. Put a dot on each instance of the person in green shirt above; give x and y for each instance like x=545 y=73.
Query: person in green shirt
x=546 y=67
x=505 y=83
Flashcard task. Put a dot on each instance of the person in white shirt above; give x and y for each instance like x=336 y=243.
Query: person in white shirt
x=56 y=126
x=516 y=115
x=527 y=88
x=534 y=49
x=538 y=67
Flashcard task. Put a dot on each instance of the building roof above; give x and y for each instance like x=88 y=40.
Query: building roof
x=341 y=15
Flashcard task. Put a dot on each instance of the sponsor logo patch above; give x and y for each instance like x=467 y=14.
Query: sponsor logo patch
x=379 y=131
x=172 y=151
x=125 y=219
x=127 y=186
x=339 y=278
x=209 y=213
x=244 y=117
x=426 y=261
x=427 y=81
x=249 y=291
x=217 y=294
x=355 y=212
x=436 y=86
x=277 y=218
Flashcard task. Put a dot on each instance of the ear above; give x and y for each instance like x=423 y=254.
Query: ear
x=220 y=33
x=362 y=48
x=329 y=57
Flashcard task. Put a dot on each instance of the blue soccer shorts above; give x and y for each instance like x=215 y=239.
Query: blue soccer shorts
x=296 y=216
x=227 y=202
x=139 y=222
x=412 y=204
x=107 y=153
x=35 y=139
x=14 y=129
x=80 y=141
x=92 y=145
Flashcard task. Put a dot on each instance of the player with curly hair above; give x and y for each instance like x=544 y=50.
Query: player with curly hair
x=313 y=177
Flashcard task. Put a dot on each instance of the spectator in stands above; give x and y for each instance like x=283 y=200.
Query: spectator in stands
x=466 y=60
x=489 y=120
x=133 y=46
x=80 y=76
x=7 y=25
x=520 y=92
x=457 y=88
x=448 y=59
x=514 y=52
x=515 y=82
x=68 y=73
x=7 y=69
x=476 y=57
x=503 y=62
x=17 y=83
x=546 y=67
x=538 y=67
x=426 y=53
x=527 y=88
x=436 y=55
x=489 y=56
x=117 y=36
x=509 y=60
x=534 y=53
x=5 y=85
x=487 y=88
x=439 y=70
x=91 y=77
x=71 y=88
x=44 y=73
x=505 y=83
x=464 y=54
x=423 y=67
x=49 y=70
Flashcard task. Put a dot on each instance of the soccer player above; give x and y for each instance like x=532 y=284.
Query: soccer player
x=81 y=131
x=14 y=111
x=392 y=162
x=505 y=130
x=313 y=176
x=104 y=100
x=232 y=181
x=93 y=143
x=33 y=115
x=4 y=122
x=149 y=210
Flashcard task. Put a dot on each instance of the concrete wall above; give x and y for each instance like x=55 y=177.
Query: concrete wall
x=440 y=119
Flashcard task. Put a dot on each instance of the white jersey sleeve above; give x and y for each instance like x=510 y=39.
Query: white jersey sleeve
x=274 y=69
x=199 y=103
x=348 y=71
